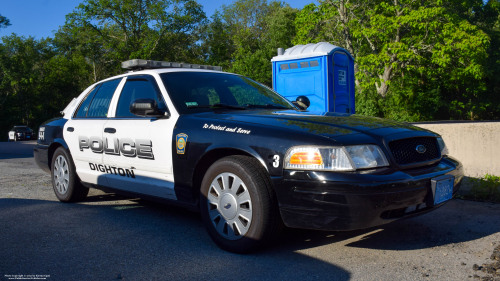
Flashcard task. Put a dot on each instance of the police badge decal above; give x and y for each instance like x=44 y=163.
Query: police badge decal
x=181 y=143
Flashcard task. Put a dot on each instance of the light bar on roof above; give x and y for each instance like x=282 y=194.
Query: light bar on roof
x=137 y=64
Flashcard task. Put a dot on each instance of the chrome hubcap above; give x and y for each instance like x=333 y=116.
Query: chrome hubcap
x=229 y=206
x=61 y=174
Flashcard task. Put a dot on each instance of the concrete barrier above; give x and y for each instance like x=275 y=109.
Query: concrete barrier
x=475 y=144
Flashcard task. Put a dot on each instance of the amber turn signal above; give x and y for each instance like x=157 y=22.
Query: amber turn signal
x=306 y=158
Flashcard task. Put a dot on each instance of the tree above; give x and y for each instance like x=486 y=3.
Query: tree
x=245 y=35
x=107 y=32
x=217 y=42
x=35 y=81
x=253 y=54
x=388 y=37
x=4 y=22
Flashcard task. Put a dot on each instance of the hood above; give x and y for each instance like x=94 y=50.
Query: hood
x=328 y=124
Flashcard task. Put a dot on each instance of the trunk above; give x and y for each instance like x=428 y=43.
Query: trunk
x=95 y=76
x=356 y=81
x=383 y=87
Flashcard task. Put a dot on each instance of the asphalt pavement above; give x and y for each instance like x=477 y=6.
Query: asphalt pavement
x=109 y=237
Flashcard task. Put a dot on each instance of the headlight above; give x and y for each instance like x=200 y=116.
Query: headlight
x=19 y=134
x=348 y=158
x=367 y=156
x=442 y=147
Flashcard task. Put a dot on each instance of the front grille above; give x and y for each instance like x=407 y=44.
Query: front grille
x=405 y=150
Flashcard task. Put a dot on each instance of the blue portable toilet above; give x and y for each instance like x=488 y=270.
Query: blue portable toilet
x=323 y=72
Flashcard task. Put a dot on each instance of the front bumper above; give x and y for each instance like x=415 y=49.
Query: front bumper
x=348 y=201
x=25 y=137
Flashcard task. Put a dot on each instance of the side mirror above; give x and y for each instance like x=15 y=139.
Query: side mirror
x=302 y=102
x=146 y=108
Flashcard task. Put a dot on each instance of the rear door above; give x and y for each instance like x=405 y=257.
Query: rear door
x=138 y=150
x=83 y=132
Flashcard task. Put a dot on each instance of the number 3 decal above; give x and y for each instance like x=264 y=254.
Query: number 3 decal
x=276 y=162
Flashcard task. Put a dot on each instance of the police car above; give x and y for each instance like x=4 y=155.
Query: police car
x=245 y=157
x=18 y=133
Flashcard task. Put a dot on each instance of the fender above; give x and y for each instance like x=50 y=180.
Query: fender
x=61 y=142
x=233 y=146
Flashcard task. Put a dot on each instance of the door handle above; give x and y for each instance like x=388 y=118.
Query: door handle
x=110 y=130
x=70 y=129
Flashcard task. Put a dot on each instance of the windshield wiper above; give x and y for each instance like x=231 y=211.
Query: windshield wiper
x=269 y=105
x=218 y=106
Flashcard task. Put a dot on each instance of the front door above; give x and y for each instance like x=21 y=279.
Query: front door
x=138 y=150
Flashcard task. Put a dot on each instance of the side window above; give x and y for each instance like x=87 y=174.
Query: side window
x=136 y=89
x=100 y=102
x=84 y=107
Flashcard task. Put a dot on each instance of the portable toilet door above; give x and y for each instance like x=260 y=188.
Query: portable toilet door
x=341 y=94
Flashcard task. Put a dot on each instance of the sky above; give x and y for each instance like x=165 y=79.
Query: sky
x=40 y=18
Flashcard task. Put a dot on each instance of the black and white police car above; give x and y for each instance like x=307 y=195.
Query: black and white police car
x=245 y=157
x=18 y=133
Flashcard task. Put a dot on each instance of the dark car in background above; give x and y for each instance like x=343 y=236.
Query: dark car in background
x=18 y=133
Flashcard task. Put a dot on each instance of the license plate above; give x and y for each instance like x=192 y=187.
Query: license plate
x=28 y=137
x=442 y=189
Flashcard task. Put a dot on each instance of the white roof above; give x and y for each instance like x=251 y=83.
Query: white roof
x=309 y=50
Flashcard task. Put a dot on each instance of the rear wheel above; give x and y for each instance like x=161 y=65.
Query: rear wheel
x=65 y=182
x=238 y=205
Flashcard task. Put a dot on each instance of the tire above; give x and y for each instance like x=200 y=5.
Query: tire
x=65 y=182
x=254 y=220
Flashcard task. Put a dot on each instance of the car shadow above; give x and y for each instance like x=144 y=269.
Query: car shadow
x=108 y=234
x=134 y=240
x=458 y=221
x=19 y=149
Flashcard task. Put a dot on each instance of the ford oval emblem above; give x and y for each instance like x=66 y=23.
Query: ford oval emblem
x=421 y=149
x=228 y=205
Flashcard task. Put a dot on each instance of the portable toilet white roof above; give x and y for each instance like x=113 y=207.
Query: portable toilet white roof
x=322 y=72
x=309 y=50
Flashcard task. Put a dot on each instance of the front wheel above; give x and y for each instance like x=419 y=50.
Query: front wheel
x=238 y=205
x=65 y=182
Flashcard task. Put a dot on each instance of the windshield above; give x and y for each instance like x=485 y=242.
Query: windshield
x=193 y=92
x=22 y=129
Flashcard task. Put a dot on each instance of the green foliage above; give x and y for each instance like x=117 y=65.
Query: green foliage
x=4 y=22
x=107 y=32
x=217 y=44
x=244 y=36
x=35 y=82
x=253 y=53
x=486 y=188
x=426 y=60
